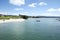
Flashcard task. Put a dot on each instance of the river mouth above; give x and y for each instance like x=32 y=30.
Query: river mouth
x=31 y=29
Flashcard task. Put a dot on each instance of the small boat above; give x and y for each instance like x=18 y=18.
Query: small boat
x=37 y=20
x=58 y=20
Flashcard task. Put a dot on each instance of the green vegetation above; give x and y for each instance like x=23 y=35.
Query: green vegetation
x=3 y=17
x=13 y=17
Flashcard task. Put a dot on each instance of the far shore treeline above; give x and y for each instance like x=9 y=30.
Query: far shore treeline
x=2 y=16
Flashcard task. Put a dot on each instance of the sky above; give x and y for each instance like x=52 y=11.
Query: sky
x=30 y=7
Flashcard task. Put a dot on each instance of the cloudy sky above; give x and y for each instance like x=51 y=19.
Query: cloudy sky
x=30 y=7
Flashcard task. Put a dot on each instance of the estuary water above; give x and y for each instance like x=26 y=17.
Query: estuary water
x=31 y=29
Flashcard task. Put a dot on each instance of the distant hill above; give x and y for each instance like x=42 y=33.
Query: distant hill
x=44 y=16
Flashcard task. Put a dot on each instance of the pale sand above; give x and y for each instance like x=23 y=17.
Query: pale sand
x=12 y=20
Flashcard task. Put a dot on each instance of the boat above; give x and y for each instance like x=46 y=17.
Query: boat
x=58 y=20
x=37 y=20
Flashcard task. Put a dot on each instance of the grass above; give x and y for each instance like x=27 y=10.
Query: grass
x=13 y=17
x=9 y=17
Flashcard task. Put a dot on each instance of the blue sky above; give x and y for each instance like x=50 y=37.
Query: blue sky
x=30 y=7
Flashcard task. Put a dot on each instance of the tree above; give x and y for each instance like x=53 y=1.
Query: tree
x=24 y=16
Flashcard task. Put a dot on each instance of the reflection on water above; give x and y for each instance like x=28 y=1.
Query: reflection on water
x=46 y=29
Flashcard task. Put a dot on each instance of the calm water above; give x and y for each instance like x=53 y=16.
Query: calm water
x=46 y=29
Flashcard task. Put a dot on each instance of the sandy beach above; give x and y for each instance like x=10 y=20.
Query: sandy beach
x=11 y=20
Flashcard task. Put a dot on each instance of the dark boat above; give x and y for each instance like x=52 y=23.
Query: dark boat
x=37 y=20
x=58 y=20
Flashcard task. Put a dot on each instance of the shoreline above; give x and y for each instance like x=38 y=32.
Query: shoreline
x=11 y=20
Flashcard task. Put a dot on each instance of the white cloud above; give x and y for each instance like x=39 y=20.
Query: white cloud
x=18 y=9
x=24 y=13
x=17 y=2
x=42 y=3
x=58 y=9
x=53 y=10
x=49 y=14
x=32 y=5
x=4 y=13
x=27 y=13
x=8 y=13
x=14 y=14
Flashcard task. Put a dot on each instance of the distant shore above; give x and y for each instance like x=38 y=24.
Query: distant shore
x=11 y=20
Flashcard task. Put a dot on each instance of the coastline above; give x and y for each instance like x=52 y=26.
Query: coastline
x=11 y=20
